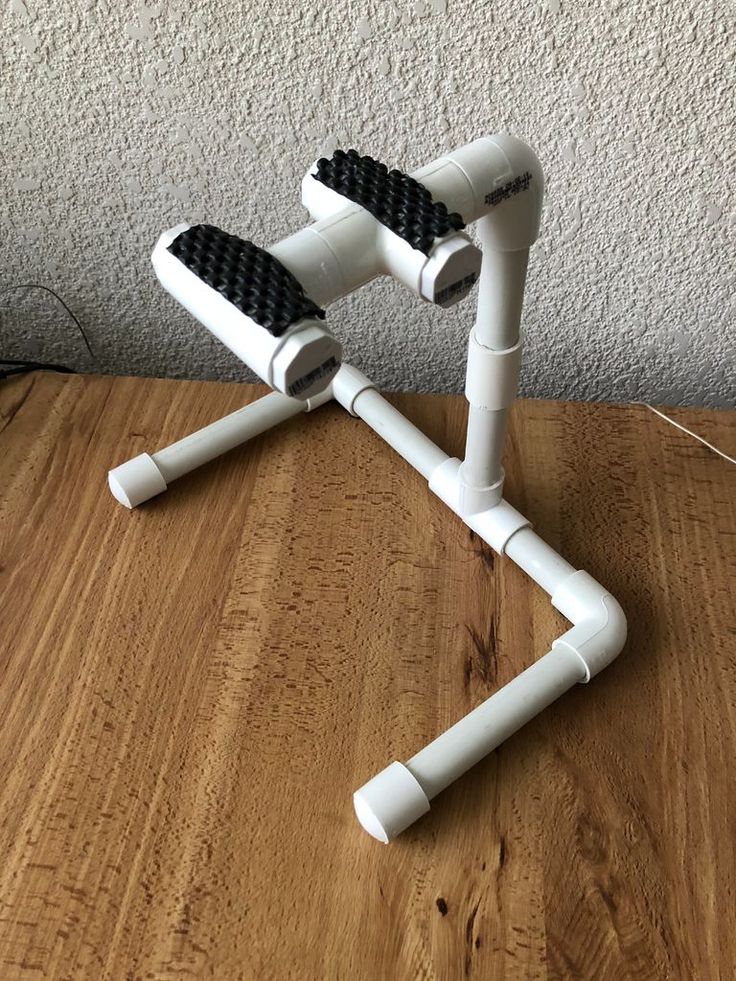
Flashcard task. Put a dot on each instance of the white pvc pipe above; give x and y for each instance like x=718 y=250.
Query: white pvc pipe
x=497 y=325
x=493 y=721
x=500 y=293
x=400 y=794
x=484 y=441
x=408 y=441
x=497 y=179
x=225 y=434
x=538 y=559
x=146 y=475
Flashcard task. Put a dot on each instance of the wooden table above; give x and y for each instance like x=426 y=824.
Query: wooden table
x=190 y=692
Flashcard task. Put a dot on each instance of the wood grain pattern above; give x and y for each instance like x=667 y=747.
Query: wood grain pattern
x=189 y=694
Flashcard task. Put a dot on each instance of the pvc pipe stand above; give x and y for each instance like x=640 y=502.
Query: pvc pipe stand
x=498 y=182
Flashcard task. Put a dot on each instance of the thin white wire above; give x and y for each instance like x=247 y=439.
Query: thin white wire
x=689 y=432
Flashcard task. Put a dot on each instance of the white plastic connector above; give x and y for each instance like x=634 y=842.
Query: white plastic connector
x=491 y=383
x=492 y=378
x=347 y=385
x=495 y=525
x=478 y=499
x=363 y=248
x=599 y=624
x=496 y=176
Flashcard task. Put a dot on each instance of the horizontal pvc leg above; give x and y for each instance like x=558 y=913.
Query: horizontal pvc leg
x=493 y=721
x=538 y=560
x=398 y=795
x=146 y=475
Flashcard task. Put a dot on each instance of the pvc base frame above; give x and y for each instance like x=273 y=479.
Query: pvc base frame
x=401 y=793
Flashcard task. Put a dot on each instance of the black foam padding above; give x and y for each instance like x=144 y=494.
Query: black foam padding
x=250 y=278
x=396 y=200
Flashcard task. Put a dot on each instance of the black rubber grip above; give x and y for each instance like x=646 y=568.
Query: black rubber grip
x=399 y=202
x=250 y=278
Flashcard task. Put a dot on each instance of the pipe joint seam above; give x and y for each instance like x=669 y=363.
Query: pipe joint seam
x=347 y=385
x=326 y=395
x=495 y=525
x=492 y=378
x=364 y=246
x=473 y=500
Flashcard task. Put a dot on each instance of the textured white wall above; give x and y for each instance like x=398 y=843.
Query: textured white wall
x=121 y=120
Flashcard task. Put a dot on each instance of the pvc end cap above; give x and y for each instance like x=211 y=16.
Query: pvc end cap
x=451 y=271
x=307 y=361
x=390 y=802
x=136 y=481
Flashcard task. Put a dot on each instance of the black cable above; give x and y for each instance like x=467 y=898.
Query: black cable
x=20 y=367
x=47 y=289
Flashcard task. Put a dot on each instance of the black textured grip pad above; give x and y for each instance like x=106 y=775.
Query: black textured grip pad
x=250 y=278
x=399 y=202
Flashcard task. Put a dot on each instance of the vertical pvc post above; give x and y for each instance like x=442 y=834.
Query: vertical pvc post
x=496 y=330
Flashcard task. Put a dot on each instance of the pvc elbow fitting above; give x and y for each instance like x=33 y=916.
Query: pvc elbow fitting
x=599 y=626
x=400 y=794
x=507 y=184
x=498 y=178
x=393 y=799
